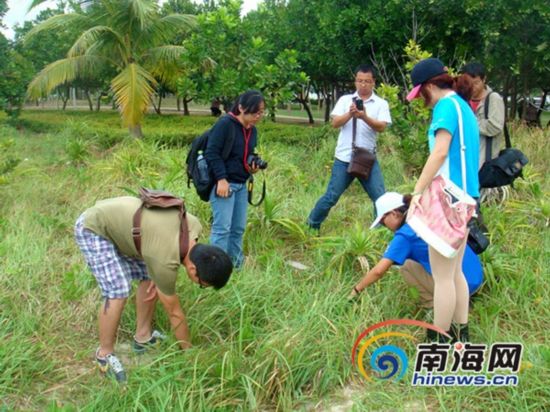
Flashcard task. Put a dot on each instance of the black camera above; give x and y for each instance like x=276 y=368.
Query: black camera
x=257 y=160
x=358 y=103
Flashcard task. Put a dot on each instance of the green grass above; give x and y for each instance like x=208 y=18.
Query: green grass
x=275 y=338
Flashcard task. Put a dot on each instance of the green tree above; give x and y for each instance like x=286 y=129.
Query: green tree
x=223 y=58
x=127 y=35
x=15 y=74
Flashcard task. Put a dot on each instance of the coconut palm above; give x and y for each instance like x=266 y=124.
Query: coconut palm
x=129 y=35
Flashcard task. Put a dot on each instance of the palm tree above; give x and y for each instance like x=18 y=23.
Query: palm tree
x=128 y=35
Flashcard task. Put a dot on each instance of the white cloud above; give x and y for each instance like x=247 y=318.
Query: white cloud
x=17 y=14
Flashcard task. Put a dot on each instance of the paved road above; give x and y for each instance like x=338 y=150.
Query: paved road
x=284 y=117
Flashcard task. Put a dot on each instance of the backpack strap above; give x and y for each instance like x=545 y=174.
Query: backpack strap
x=489 y=139
x=228 y=142
x=353 y=132
x=184 y=234
x=136 y=228
x=507 y=137
x=462 y=146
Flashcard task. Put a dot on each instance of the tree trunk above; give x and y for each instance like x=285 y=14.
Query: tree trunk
x=327 y=109
x=178 y=103
x=525 y=94
x=98 y=107
x=160 y=103
x=186 y=106
x=513 y=99
x=89 y=98
x=305 y=105
x=66 y=97
x=135 y=131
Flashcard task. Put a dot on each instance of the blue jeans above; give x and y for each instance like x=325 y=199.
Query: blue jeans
x=340 y=179
x=229 y=221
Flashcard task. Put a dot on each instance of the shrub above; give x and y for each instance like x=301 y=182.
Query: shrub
x=8 y=159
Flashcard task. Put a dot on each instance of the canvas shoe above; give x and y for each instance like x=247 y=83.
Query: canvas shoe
x=110 y=365
x=155 y=340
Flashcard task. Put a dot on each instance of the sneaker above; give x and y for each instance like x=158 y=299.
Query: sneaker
x=110 y=365
x=155 y=340
x=311 y=231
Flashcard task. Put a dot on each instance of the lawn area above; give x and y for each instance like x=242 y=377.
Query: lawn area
x=277 y=337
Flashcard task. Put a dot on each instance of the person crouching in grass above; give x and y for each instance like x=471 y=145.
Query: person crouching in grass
x=411 y=253
x=104 y=235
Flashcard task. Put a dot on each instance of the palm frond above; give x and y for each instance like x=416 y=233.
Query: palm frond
x=163 y=30
x=91 y=36
x=62 y=71
x=178 y=22
x=58 y=22
x=164 y=63
x=133 y=88
x=35 y=3
x=208 y=64
x=164 y=55
x=141 y=11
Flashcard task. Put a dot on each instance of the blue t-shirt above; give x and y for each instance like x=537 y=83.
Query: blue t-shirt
x=407 y=245
x=445 y=116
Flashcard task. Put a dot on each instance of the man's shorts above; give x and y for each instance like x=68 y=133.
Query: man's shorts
x=113 y=271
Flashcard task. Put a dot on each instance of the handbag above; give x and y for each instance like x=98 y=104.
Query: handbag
x=506 y=167
x=362 y=160
x=444 y=208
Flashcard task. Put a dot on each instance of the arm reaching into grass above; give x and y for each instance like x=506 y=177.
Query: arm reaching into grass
x=373 y=275
x=177 y=318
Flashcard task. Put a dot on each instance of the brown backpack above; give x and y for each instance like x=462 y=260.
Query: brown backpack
x=159 y=199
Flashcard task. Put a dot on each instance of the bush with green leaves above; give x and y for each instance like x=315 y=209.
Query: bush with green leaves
x=8 y=158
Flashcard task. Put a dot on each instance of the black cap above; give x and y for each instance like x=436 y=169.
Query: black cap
x=423 y=71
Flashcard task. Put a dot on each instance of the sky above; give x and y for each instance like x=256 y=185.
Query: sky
x=17 y=13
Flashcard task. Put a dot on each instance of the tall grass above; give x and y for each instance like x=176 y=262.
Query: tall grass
x=276 y=338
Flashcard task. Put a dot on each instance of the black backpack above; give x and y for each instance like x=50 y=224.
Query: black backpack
x=505 y=168
x=204 y=187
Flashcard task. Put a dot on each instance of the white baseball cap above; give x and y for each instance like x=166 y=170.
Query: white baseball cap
x=386 y=203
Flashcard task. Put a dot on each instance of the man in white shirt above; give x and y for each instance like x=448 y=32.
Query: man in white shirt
x=370 y=121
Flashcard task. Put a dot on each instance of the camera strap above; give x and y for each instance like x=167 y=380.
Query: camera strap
x=250 y=188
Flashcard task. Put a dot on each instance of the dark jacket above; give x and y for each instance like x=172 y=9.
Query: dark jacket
x=232 y=168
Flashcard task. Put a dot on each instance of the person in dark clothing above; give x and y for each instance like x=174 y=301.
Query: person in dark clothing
x=215 y=108
x=229 y=197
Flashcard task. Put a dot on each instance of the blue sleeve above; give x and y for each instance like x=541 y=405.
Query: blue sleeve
x=399 y=249
x=444 y=116
x=214 y=148
x=472 y=269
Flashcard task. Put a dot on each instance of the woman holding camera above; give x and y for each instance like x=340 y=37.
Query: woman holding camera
x=229 y=197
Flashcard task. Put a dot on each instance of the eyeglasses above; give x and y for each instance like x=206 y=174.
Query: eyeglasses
x=364 y=81
x=257 y=114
